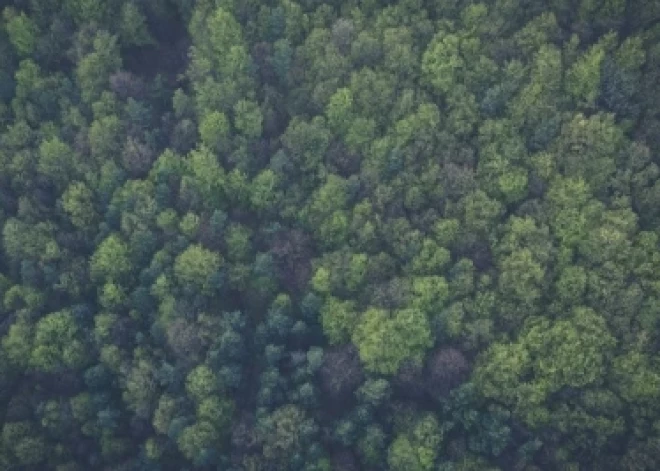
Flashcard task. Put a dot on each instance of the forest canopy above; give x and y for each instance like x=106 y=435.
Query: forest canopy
x=338 y=235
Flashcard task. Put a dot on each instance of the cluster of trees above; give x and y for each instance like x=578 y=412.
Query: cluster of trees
x=302 y=235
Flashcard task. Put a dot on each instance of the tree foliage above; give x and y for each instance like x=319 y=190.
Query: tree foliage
x=313 y=235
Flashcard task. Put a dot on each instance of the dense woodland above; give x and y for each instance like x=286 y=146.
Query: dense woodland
x=330 y=235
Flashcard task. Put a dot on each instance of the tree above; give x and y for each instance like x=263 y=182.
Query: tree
x=587 y=149
x=442 y=61
x=17 y=343
x=385 y=340
x=285 y=433
x=521 y=278
x=372 y=446
x=218 y=412
x=429 y=294
x=431 y=259
x=24 y=241
x=22 y=31
x=56 y=161
x=218 y=50
x=636 y=377
x=132 y=27
x=140 y=388
x=184 y=338
x=201 y=383
x=571 y=285
x=338 y=319
x=78 y=201
x=536 y=105
x=58 y=344
x=105 y=138
x=306 y=142
x=195 y=266
x=237 y=240
x=164 y=413
x=454 y=57
x=196 y=440
x=446 y=369
x=137 y=157
x=339 y=111
x=583 y=78
x=214 y=131
x=418 y=449
x=94 y=69
x=573 y=212
x=341 y=372
x=265 y=194
x=565 y=354
x=27 y=447
x=248 y=119
x=111 y=260
x=480 y=212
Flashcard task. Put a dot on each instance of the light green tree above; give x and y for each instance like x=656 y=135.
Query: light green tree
x=197 y=438
x=22 y=31
x=385 y=340
x=248 y=118
x=58 y=344
x=79 y=204
x=111 y=260
x=194 y=267
x=338 y=319
x=417 y=449
x=201 y=383
x=551 y=355
x=94 y=69
x=214 y=130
